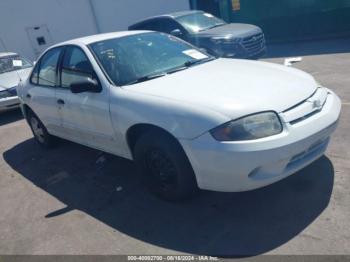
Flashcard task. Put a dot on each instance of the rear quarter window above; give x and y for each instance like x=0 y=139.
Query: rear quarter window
x=45 y=71
x=34 y=78
x=151 y=25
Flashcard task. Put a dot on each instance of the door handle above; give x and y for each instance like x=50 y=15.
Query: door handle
x=60 y=102
x=28 y=96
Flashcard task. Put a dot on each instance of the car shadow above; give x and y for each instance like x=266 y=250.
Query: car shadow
x=10 y=116
x=222 y=224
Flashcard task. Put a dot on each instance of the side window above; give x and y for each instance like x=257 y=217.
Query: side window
x=75 y=67
x=152 y=25
x=170 y=25
x=157 y=25
x=48 y=66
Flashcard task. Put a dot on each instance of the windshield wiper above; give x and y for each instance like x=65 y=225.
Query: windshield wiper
x=7 y=71
x=189 y=64
x=176 y=69
x=145 y=78
x=199 y=61
x=211 y=27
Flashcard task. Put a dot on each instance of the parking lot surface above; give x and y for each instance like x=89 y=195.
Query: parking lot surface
x=76 y=200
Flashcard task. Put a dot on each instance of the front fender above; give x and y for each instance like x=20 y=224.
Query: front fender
x=183 y=121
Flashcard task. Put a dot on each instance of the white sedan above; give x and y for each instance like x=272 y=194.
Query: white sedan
x=13 y=68
x=188 y=119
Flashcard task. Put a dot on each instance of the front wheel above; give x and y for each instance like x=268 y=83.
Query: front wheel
x=165 y=166
x=40 y=132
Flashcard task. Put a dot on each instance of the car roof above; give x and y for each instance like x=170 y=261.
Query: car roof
x=99 y=37
x=3 y=54
x=173 y=15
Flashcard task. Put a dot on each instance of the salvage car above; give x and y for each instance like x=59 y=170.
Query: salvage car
x=210 y=33
x=188 y=119
x=13 y=68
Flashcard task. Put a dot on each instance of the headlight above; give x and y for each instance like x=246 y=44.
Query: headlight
x=248 y=128
x=12 y=91
x=4 y=94
x=8 y=92
x=225 y=40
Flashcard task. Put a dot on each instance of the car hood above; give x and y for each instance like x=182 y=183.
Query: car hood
x=11 y=79
x=234 y=87
x=231 y=30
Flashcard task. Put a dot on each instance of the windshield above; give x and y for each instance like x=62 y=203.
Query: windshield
x=13 y=63
x=136 y=58
x=199 y=22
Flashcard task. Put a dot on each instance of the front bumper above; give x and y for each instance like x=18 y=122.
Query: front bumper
x=9 y=103
x=247 y=165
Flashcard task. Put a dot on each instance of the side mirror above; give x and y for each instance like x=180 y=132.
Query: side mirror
x=176 y=32
x=85 y=85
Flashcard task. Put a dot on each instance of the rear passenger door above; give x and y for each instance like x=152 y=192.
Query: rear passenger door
x=41 y=95
x=85 y=116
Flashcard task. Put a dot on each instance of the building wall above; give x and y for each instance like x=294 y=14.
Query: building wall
x=296 y=19
x=67 y=19
x=115 y=15
x=285 y=20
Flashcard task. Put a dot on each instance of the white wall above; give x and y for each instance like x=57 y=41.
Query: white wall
x=67 y=19
x=115 y=15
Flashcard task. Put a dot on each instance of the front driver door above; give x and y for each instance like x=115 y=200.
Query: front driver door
x=85 y=116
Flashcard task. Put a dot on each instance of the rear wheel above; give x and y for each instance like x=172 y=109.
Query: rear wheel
x=165 y=167
x=40 y=132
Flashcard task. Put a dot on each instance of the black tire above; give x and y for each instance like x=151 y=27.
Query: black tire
x=42 y=137
x=165 y=167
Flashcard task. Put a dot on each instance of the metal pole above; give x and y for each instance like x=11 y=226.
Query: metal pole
x=3 y=44
x=92 y=7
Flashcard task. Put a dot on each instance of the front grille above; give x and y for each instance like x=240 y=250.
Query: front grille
x=300 y=119
x=304 y=117
x=307 y=108
x=254 y=43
